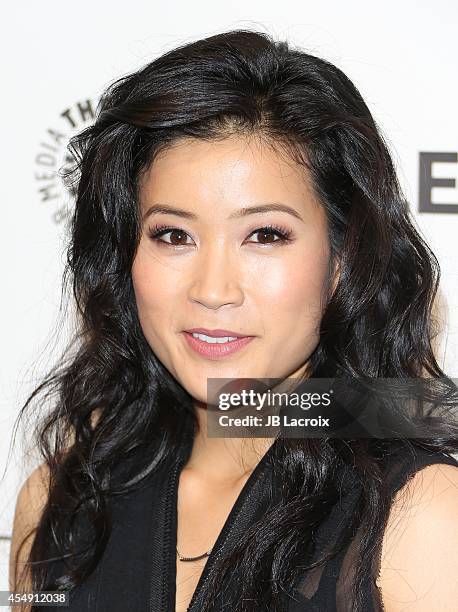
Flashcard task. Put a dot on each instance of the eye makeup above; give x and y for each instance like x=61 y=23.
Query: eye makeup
x=156 y=232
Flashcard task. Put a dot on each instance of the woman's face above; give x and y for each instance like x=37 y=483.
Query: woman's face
x=213 y=268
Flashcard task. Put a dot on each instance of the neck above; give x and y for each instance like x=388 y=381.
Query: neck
x=224 y=460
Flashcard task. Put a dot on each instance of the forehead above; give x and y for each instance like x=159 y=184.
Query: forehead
x=233 y=171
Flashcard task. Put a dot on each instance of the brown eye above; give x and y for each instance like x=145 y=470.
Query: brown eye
x=177 y=235
x=268 y=236
x=269 y=233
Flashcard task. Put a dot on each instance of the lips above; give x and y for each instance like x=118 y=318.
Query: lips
x=216 y=350
x=216 y=333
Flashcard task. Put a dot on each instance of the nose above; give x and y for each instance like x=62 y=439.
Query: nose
x=215 y=279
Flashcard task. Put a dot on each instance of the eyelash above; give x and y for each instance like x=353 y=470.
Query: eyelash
x=159 y=230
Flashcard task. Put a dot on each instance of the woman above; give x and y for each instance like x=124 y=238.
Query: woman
x=237 y=187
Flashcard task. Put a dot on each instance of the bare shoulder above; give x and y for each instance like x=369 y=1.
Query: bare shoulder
x=419 y=560
x=30 y=502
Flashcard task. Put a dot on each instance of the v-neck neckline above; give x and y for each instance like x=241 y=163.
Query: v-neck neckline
x=171 y=523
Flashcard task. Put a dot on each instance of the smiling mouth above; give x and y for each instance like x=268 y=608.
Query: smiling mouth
x=214 y=339
x=216 y=346
x=211 y=334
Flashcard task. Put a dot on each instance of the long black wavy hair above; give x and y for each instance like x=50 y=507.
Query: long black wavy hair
x=114 y=400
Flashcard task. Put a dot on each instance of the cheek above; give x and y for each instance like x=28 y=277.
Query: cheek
x=153 y=288
x=291 y=288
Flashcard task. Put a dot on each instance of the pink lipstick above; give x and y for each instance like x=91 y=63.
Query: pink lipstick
x=215 y=350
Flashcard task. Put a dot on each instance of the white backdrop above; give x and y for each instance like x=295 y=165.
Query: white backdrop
x=57 y=58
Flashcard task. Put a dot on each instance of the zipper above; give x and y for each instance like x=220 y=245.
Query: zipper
x=166 y=571
x=168 y=595
x=217 y=550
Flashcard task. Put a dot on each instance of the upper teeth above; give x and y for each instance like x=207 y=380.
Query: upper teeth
x=213 y=340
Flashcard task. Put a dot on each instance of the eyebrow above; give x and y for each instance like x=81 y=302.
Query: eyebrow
x=241 y=212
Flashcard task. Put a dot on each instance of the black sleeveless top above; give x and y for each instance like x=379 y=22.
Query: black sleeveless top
x=138 y=568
